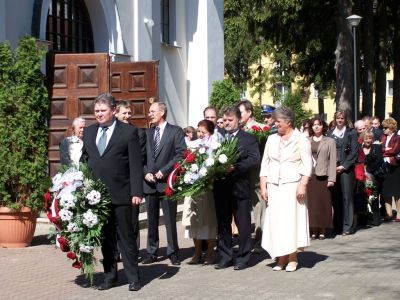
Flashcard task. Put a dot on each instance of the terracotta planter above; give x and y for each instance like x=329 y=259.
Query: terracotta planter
x=16 y=228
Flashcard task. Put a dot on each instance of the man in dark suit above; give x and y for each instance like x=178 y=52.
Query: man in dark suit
x=232 y=195
x=165 y=145
x=113 y=154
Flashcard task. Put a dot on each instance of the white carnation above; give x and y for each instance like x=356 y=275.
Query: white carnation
x=187 y=177
x=85 y=248
x=67 y=201
x=89 y=219
x=203 y=172
x=222 y=158
x=57 y=183
x=194 y=168
x=202 y=150
x=65 y=215
x=209 y=162
x=93 y=197
x=72 y=227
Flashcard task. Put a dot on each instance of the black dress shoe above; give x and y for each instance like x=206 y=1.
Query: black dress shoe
x=223 y=265
x=239 y=267
x=106 y=285
x=149 y=260
x=135 y=286
x=174 y=260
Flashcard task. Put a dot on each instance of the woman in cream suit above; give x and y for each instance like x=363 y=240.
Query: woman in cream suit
x=285 y=170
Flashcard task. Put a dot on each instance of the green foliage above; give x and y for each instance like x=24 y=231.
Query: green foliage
x=23 y=126
x=294 y=100
x=224 y=94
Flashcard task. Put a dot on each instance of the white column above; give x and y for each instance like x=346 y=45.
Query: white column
x=205 y=61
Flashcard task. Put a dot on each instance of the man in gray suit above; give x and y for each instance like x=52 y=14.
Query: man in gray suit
x=165 y=145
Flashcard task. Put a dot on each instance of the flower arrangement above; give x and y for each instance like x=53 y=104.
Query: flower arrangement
x=260 y=133
x=200 y=167
x=371 y=191
x=78 y=206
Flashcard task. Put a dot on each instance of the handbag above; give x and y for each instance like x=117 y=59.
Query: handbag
x=359 y=172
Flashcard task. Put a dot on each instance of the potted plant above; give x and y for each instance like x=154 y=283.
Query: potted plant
x=23 y=138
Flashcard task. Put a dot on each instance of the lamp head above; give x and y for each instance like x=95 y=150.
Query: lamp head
x=354 y=20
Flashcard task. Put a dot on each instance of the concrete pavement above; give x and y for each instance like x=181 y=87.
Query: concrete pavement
x=361 y=266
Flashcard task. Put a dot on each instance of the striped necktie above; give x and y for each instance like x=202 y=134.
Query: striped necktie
x=157 y=140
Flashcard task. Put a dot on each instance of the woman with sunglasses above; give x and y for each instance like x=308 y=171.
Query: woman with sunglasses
x=391 y=148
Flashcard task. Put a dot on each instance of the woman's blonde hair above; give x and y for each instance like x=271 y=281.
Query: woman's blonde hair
x=390 y=123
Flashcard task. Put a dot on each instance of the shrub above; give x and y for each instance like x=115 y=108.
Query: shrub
x=23 y=126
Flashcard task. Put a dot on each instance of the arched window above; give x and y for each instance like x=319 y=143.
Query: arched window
x=69 y=27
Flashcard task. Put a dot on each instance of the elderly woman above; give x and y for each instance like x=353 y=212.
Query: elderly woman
x=199 y=215
x=390 y=148
x=370 y=158
x=285 y=171
x=71 y=146
x=323 y=177
x=346 y=155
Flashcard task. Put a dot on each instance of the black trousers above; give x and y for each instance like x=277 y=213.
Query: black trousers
x=343 y=201
x=169 y=208
x=226 y=206
x=124 y=221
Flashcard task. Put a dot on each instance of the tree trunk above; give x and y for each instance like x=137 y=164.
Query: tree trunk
x=344 y=59
x=396 y=60
x=367 y=39
x=321 y=110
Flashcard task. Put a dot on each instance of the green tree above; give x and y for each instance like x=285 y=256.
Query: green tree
x=224 y=94
x=23 y=126
x=294 y=100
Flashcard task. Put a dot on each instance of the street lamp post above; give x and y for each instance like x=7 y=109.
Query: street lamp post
x=354 y=20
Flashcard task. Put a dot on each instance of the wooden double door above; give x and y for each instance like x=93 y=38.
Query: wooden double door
x=75 y=80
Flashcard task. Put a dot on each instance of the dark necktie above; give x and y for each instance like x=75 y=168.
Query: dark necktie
x=101 y=145
x=156 y=140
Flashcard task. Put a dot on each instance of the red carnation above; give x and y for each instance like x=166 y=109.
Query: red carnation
x=168 y=191
x=63 y=244
x=186 y=153
x=177 y=165
x=71 y=255
x=266 y=128
x=369 y=192
x=255 y=128
x=190 y=158
x=174 y=178
x=77 y=264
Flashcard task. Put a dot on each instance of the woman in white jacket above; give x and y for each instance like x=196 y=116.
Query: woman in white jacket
x=285 y=171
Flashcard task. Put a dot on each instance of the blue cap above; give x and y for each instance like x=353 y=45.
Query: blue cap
x=267 y=109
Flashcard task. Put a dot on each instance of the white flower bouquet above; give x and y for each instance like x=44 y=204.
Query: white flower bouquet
x=78 y=206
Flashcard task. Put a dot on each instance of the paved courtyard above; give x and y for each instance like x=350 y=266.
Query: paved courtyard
x=363 y=266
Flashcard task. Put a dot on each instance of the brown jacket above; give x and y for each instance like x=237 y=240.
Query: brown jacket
x=325 y=165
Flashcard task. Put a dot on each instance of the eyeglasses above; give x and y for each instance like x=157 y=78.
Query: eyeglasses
x=220 y=122
x=385 y=127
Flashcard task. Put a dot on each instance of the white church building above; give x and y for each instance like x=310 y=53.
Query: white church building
x=183 y=39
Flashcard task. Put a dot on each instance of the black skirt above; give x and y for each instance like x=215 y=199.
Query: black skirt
x=391 y=185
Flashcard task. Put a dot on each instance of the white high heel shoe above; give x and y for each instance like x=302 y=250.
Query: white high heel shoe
x=292 y=266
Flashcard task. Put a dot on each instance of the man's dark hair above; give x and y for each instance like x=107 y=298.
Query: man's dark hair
x=107 y=99
x=232 y=110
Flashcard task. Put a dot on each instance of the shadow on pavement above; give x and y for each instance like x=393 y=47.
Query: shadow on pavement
x=41 y=240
